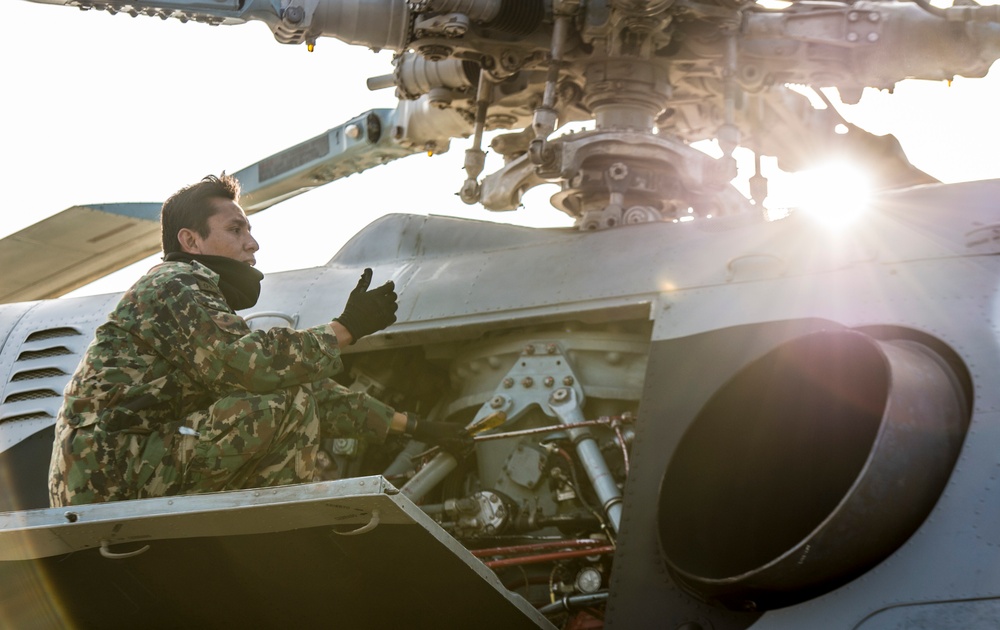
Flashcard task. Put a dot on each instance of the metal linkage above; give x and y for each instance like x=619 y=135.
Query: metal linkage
x=563 y=403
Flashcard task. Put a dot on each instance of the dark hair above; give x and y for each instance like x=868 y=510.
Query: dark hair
x=189 y=208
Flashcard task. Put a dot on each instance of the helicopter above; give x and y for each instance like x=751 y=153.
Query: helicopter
x=692 y=415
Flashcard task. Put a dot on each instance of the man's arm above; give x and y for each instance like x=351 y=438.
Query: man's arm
x=344 y=337
x=181 y=318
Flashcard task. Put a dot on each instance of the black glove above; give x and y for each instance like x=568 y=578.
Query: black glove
x=369 y=311
x=448 y=435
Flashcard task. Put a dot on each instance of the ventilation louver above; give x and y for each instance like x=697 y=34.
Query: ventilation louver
x=46 y=359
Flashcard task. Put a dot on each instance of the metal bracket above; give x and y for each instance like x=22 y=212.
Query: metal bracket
x=540 y=367
x=293 y=320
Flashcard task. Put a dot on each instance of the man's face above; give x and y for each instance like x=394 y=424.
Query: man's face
x=228 y=234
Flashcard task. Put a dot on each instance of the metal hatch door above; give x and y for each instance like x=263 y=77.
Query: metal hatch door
x=267 y=558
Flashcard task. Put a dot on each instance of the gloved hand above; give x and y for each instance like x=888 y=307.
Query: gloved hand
x=448 y=435
x=369 y=311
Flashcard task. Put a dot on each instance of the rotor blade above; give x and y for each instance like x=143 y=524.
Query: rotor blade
x=75 y=247
x=352 y=147
x=84 y=243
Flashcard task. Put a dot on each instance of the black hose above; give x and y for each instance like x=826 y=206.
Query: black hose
x=571 y=602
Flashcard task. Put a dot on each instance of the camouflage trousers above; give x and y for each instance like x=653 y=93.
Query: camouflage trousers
x=244 y=440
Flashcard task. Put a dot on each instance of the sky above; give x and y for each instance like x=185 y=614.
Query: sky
x=100 y=108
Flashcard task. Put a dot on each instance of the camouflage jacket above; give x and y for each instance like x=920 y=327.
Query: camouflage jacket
x=172 y=346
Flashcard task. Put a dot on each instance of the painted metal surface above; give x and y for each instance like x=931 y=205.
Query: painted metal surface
x=89 y=554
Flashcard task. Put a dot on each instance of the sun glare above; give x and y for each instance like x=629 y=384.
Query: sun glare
x=836 y=195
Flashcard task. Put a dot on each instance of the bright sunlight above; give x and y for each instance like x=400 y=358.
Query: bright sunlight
x=836 y=194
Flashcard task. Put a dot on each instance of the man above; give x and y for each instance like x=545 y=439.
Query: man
x=176 y=395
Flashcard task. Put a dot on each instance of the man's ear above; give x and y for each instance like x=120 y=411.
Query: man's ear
x=188 y=240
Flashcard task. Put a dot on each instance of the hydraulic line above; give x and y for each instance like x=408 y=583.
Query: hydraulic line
x=602 y=422
x=550 y=557
x=550 y=544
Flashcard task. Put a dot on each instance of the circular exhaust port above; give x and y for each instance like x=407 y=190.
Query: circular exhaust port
x=808 y=467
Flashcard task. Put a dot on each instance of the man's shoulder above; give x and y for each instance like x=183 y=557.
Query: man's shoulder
x=177 y=276
x=170 y=284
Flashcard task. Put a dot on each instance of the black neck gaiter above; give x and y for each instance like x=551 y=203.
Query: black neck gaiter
x=239 y=282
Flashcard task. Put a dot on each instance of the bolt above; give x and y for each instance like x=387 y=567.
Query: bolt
x=852 y=16
x=567 y=381
x=529 y=349
x=497 y=402
x=560 y=395
x=874 y=17
x=508 y=382
x=852 y=37
x=528 y=381
x=551 y=348
x=353 y=132
x=549 y=381
x=294 y=15
x=873 y=37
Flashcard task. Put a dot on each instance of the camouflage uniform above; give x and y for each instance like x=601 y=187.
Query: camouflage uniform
x=176 y=396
